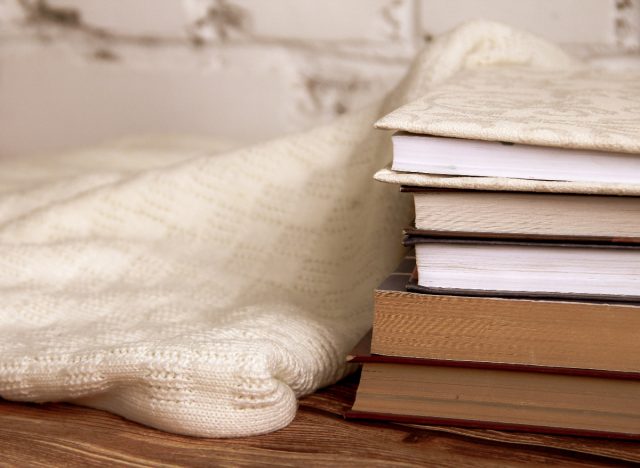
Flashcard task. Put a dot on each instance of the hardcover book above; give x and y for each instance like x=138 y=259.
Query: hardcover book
x=567 y=131
x=474 y=213
x=484 y=267
x=585 y=109
x=498 y=399
x=566 y=336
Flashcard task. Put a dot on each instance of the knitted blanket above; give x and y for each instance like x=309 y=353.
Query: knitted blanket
x=199 y=291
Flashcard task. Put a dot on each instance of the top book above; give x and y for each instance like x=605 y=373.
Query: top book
x=581 y=125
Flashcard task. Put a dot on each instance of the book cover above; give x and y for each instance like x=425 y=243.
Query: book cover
x=576 y=108
x=505 y=184
x=498 y=399
x=561 y=336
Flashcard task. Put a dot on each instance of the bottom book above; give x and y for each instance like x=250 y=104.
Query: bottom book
x=496 y=399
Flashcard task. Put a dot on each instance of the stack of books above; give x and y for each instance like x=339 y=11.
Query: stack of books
x=515 y=308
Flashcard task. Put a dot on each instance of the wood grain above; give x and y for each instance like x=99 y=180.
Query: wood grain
x=65 y=435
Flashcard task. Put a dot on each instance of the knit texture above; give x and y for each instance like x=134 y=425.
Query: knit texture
x=200 y=291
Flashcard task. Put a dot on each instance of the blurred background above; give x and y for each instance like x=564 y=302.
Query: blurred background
x=78 y=72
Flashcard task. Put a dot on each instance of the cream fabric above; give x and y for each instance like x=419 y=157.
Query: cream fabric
x=201 y=293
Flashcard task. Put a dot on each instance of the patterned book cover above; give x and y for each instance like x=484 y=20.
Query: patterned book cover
x=570 y=108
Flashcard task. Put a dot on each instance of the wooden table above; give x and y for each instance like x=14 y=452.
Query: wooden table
x=61 y=434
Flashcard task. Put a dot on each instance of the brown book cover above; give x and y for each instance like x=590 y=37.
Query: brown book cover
x=562 y=336
x=415 y=238
x=422 y=393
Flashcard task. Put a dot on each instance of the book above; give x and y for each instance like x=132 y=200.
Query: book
x=465 y=157
x=498 y=399
x=571 y=337
x=587 y=109
x=548 y=111
x=477 y=213
x=604 y=271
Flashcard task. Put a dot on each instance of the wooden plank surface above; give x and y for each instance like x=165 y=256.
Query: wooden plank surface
x=67 y=435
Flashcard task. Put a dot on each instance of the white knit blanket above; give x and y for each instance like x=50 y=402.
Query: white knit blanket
x=202 y=292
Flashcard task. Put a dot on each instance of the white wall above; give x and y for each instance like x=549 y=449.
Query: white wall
x=75 y=72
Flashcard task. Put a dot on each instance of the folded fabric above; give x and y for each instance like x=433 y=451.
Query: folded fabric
x=203 y=292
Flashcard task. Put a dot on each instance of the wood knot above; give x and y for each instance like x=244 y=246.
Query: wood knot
x=412 y=438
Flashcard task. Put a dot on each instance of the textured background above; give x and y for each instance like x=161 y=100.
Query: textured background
x=76 y=72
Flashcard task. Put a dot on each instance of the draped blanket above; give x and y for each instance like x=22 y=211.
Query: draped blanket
x=201 y=291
